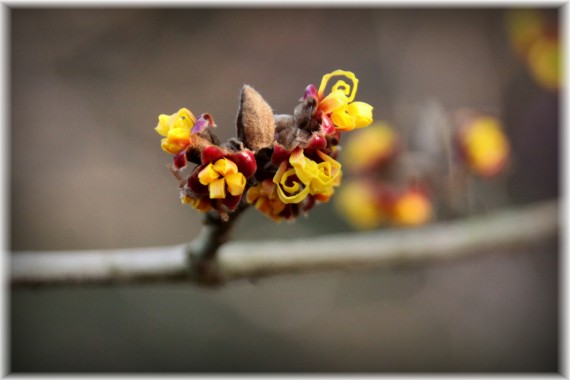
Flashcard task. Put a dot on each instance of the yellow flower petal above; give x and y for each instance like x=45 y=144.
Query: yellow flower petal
x=296 y=198
x=333 y=101
x=225 y=167
x=162 y=128
x=342 y=120
x=183 y=119
x=208 y=175
x=317 y=179
x=280 y=180
x=178 y=134
x=236 y=183
x=294 y=187
x=341 y=85
x=176 y=140
x=217 y=189
x=253 y=194
x=361 y=112
x=200 y=204
x=306 y=169
x=350 y=92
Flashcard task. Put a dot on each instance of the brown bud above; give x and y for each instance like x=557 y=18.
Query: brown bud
x=304 y=115
x=255 y=124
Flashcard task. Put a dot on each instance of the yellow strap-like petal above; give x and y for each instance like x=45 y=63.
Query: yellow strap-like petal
x=208 y=175
x=225 y=167
x=253 y=194
x=236 y=183
x=217 y=189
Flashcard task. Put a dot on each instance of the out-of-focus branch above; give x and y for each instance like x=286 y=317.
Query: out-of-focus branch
x=237 y=260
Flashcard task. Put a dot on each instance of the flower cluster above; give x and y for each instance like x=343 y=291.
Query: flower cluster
x=381 y=193
x=281 y=164
x=392 y=185
x=535 y=38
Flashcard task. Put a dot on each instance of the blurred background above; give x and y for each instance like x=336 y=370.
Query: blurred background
x=87 y=172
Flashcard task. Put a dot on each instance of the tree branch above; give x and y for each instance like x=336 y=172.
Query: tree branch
x=237 y=260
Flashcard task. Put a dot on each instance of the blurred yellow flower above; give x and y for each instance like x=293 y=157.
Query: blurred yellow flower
x=534 y=36
x=485 y=146
x=176 y=130
x=222 y=175
x=370 y=147
x=345 y=113
x=307 y=177
x=544 y=62
x=412 y=208
x=524 y=26
x=357 y=202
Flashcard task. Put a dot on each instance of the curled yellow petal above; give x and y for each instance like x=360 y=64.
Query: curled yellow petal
x=280 y=179
x=361 y=112
x=236 y=183
x=350 y=93
x=208 y=175
x=328 y=175
x=294 y=186
x=295 y=198
x=305 y=168
x=315 y=179
x=341 y=85
x=225 y=167
x=217 y=189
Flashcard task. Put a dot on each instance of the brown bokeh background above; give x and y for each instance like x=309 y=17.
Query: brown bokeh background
x=87 y=172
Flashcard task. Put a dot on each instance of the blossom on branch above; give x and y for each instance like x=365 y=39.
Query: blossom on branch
x=484 y=146
x=284 y=164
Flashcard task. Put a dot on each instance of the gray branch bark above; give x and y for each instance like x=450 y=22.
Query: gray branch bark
x=476 y=235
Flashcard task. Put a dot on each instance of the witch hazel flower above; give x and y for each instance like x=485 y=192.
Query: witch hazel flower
x=303 y=166
x=338 y=107
x=220 y=181
x=281 y=164
x=185 y=136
